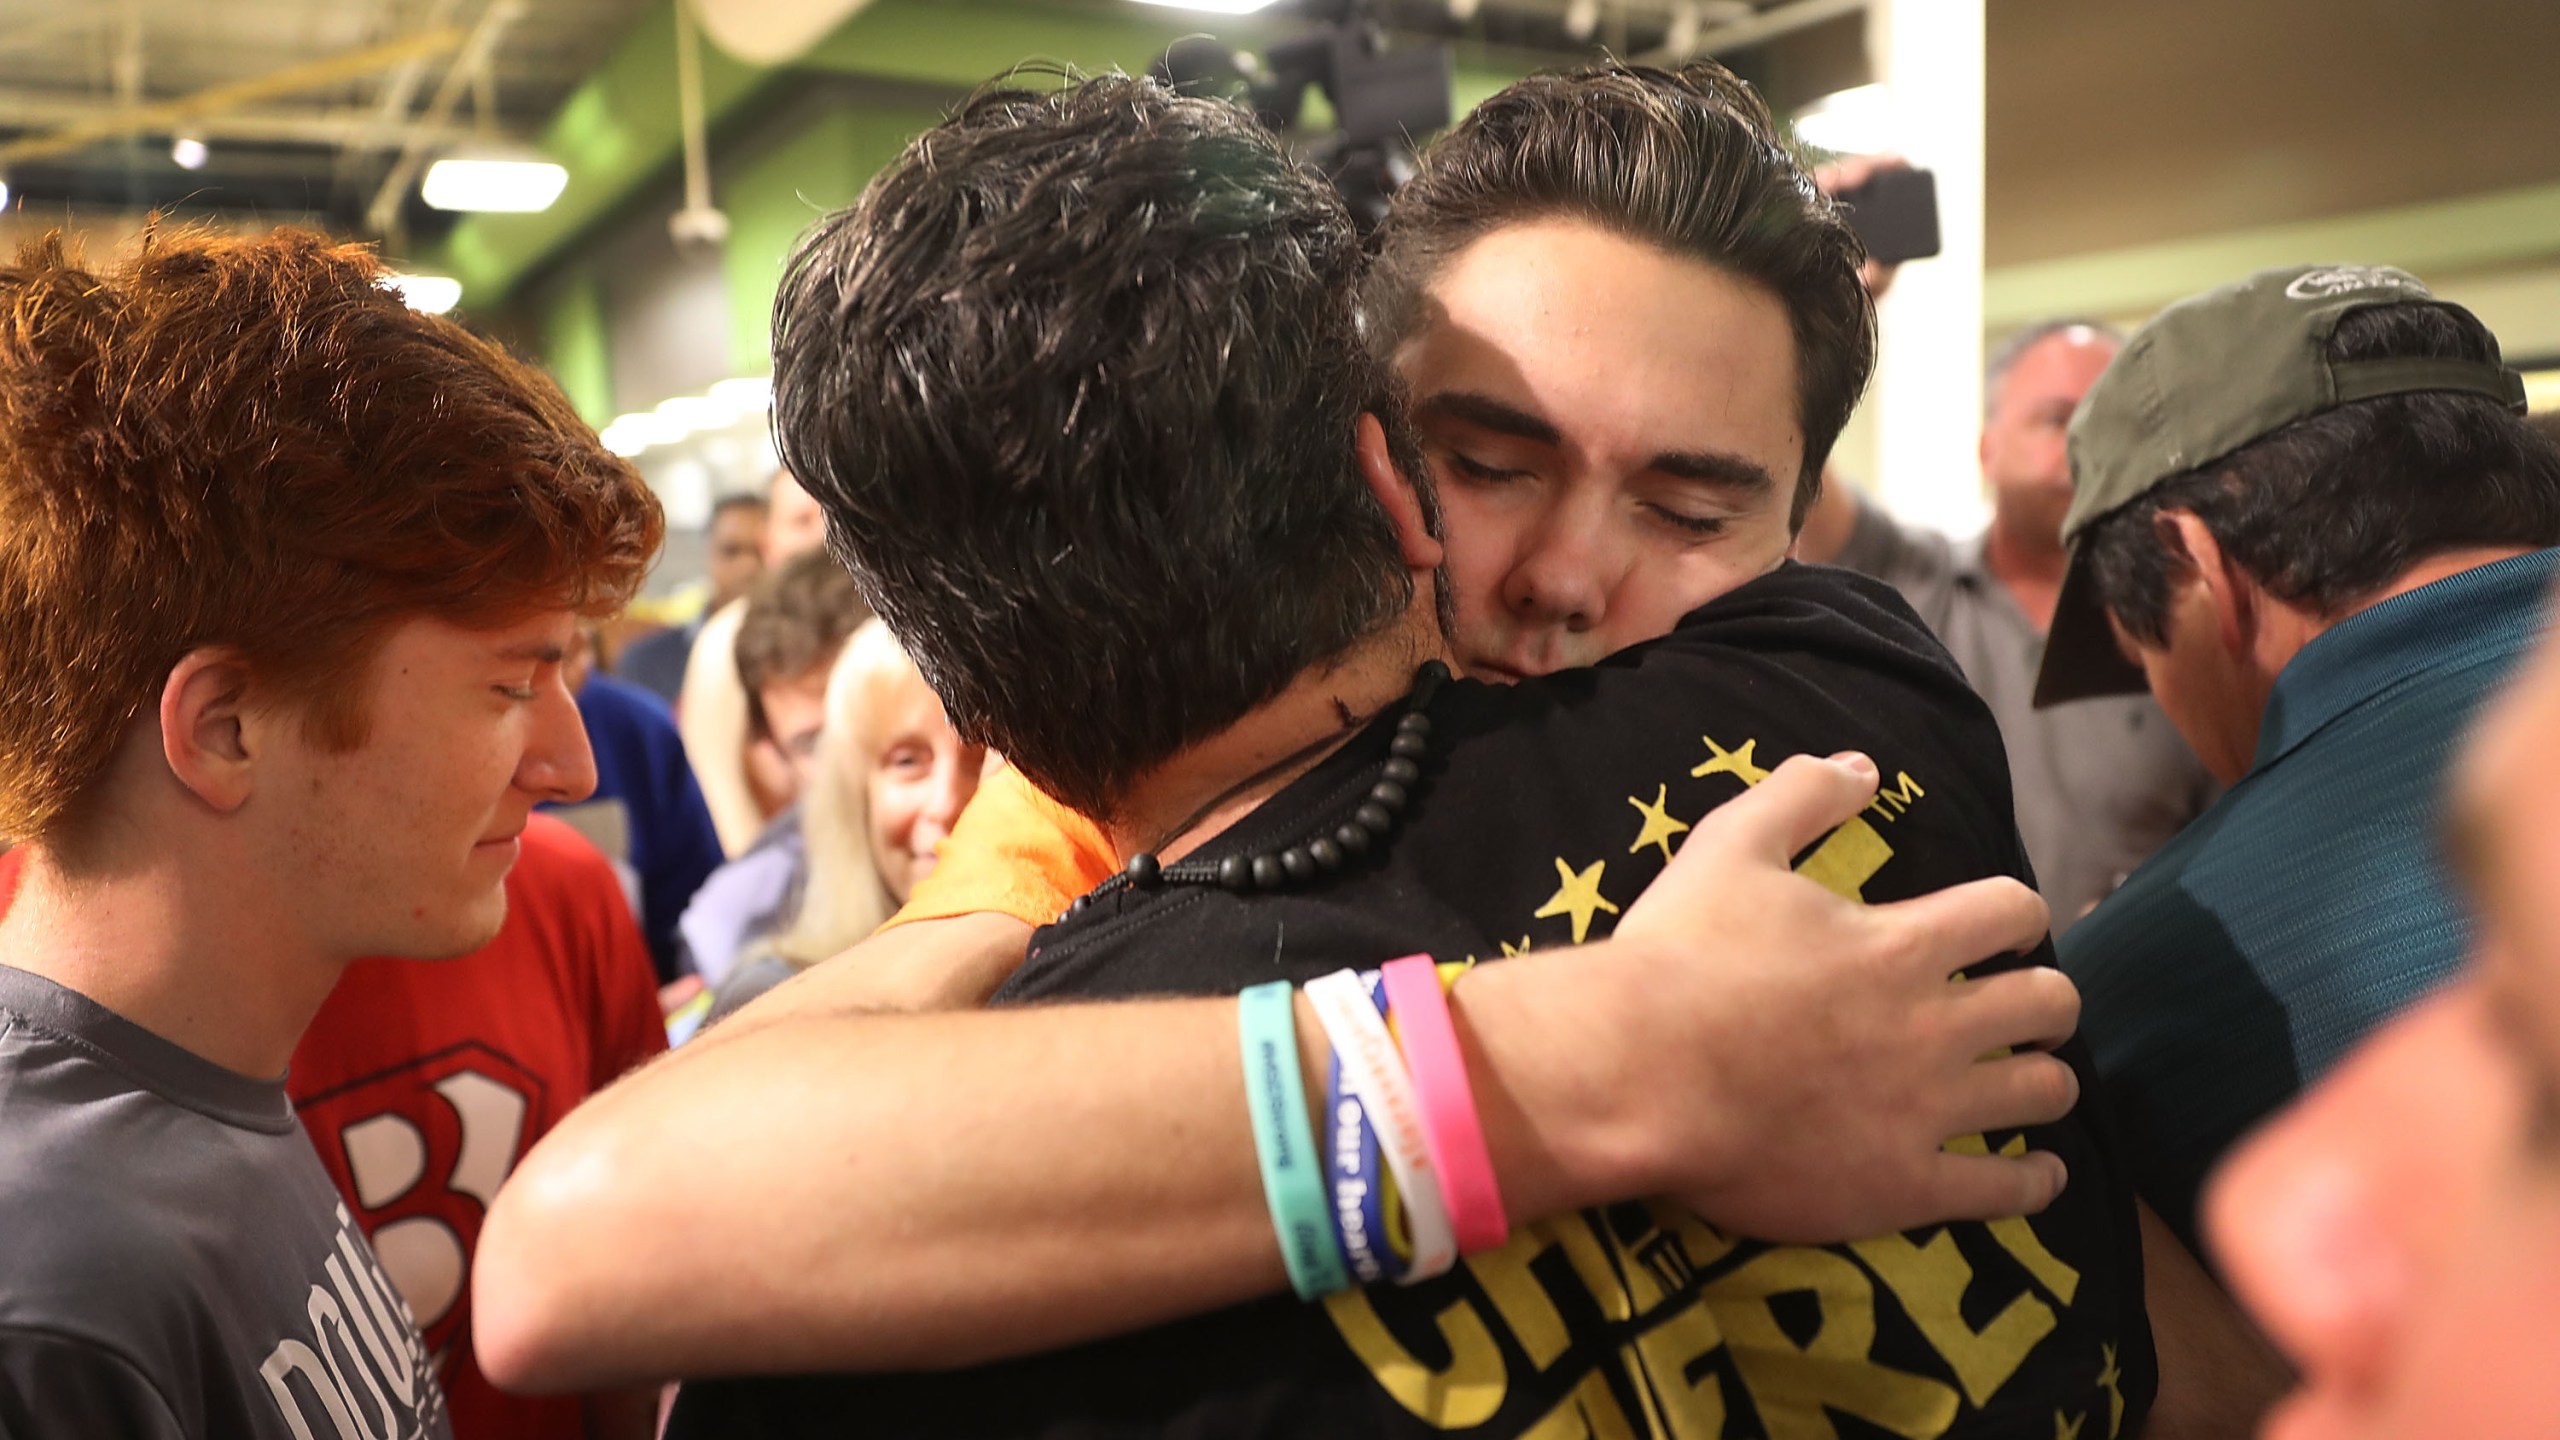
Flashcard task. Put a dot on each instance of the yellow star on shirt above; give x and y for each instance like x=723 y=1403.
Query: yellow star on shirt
x=1578 y=896
x=2109 y=1379
x=1511 y=951
x=1736 y=763
x=1659 y=827
x=2066 y=1428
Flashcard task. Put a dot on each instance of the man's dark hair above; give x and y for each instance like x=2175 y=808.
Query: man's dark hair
x=797 y=620
x=2330 y=509
x=1687 y=160
x=1076 y=381
x=738 y=500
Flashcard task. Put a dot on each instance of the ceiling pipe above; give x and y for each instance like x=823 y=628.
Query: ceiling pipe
x=1768 y=25
x=383 y=215
x=399 y=96
x=168 y=115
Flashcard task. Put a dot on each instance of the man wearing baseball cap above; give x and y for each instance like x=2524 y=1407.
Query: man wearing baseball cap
x=2309 y=516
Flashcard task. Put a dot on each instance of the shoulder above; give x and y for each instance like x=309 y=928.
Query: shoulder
x=1822 y=619
x=53 y=1382
x=1899 y=554
x=623 y=705
x=558 y=862
x=87 y=1165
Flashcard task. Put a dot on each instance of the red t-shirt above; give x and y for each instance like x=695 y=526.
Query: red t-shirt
x=424 y=1082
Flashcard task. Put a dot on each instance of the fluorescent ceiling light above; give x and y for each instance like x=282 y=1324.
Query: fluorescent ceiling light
x=1213 y=7
x=622 y=442
x=650 y=429
x=696 y=412
x=1856 y=121
x=493 y=182
x=189 y=152
x=433 y=294
x=2542 y=390
x=746 y=392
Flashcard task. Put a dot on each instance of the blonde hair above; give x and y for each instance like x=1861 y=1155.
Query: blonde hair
x=844 y=898
x=711 y=715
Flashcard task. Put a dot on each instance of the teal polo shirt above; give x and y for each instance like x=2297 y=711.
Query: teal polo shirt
x=2310 y=903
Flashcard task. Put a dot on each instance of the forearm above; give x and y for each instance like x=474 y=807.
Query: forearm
x=2218 y=1374
x=880 y=1192
x=832 y=1188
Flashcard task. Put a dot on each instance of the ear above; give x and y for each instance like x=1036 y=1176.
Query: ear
x=205 y=730
x=1395 y=494
x=2233 y=595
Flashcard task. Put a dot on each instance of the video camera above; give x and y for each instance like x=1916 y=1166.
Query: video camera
x=1381 y=97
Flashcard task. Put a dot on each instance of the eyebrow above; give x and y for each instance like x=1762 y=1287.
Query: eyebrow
x=541 y=652
x=1719 y=468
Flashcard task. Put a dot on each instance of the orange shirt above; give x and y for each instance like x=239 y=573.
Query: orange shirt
x=1015 y=852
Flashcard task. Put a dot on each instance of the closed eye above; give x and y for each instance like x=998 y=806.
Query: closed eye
x=1475 y=469
x=1692 y=524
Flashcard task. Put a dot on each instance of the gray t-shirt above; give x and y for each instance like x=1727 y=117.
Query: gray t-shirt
x=2100 y=783
x=175 y=1261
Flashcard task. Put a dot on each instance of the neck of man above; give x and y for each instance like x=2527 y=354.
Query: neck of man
x=1190 y=799
x=2290 y=627
x=184 y=940
x=2029 y=567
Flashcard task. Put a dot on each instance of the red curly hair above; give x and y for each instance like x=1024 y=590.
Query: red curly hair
x=253 y=443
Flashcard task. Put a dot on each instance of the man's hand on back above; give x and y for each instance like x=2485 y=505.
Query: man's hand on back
x=1791 y=1064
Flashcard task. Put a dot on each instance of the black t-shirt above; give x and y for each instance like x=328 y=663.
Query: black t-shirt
x=1543 y=811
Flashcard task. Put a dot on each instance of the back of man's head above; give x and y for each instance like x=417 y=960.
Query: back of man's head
x=254 y=444
x=1076 y=381
x=1688 y=160
x=2327 y=511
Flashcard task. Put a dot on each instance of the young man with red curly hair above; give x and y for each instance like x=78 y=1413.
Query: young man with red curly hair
x=290 y=574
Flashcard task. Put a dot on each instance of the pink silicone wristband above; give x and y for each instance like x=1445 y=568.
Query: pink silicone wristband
x=1449 y=1121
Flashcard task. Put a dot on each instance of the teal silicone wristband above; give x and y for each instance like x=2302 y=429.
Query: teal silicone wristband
x=1293 y=1175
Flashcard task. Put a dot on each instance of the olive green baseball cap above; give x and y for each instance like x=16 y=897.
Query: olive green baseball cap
x=2207 y=376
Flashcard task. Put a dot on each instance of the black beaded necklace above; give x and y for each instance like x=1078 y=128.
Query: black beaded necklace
x=1326 y=850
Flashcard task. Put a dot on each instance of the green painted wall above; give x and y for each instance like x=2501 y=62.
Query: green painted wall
x=773 y=197
x=572 y=329
x=618 y=132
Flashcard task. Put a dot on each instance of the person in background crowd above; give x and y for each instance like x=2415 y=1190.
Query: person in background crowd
x=2102 y=783
x=796 y=623
x=646 y=814
x=794 y=525
x=293 y=572
x=890 y=779
x=2398 y=1228
x=1069 y=1216
x=734 y=546
x=1202 y=630
x=2307 y=514
x=746 y=783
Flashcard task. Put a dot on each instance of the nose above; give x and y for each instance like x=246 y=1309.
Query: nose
x=558 y=765
x=1562 y=574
